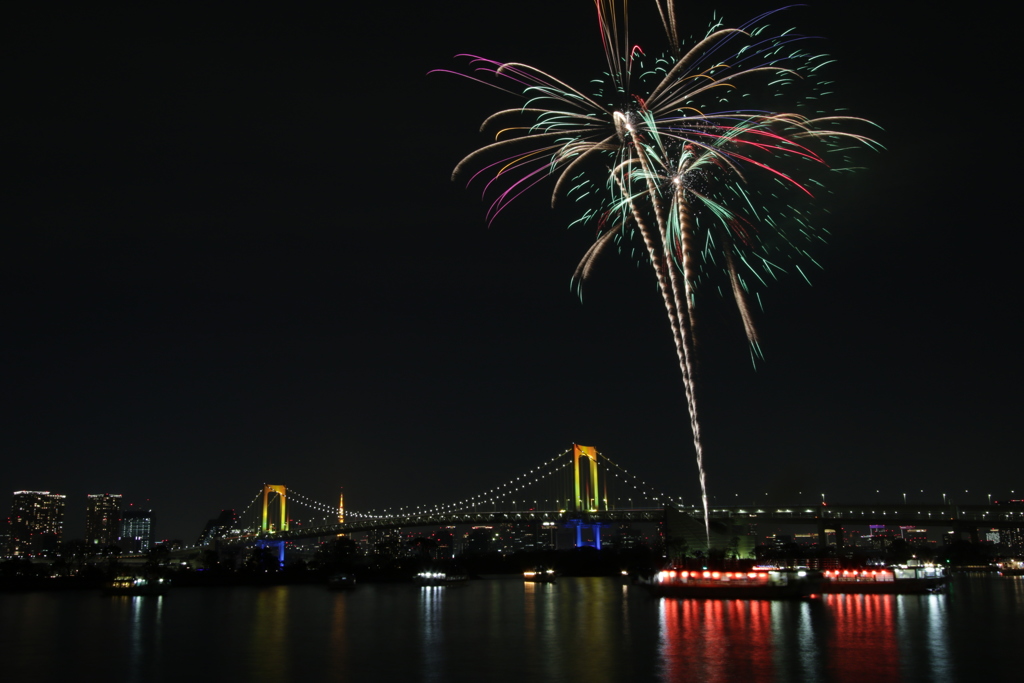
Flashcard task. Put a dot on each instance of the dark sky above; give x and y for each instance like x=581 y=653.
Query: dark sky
x=232 y=254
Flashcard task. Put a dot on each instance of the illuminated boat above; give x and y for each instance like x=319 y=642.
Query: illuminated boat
x=757 y=584
x=430 y=578
x=539 y=575
x=134 y=585
x=1011 y=568
x=341 y=581
x=922 y=578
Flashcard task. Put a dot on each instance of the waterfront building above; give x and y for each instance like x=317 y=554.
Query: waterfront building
x=1012 y=539
x=37 y=522
x=217 y=527
x=446 y=543
x=806 y=539
x=881 y=536
x=480 y=540
x=914 y=536
x=136 y=529
x=102 y=519
x=626 y=537
x=385 y=542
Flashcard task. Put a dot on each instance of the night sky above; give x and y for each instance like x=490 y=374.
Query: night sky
x=233 y=254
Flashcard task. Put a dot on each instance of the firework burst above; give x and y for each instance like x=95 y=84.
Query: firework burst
x=684 y=151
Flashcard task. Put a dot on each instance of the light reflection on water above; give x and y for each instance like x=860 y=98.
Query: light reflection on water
x=271 y=635
x=431 y=629
x=593 y=630
x=144 y=616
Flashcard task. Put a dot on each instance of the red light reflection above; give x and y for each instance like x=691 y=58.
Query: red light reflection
x=717 y=640
x=862 y=643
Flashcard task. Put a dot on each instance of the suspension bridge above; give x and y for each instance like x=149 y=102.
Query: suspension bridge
x=583 y=490
x=579 y=488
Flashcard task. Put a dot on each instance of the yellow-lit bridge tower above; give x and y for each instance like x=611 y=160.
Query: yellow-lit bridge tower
x=281 y=491
x=588 y=496
x=586 y=490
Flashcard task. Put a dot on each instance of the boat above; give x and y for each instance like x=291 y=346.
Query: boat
x=429 y=578
x=757 y=584
x=915 y=578
x=1011 y=567
x=539 y=575
x=135 y=585
x=341 y=581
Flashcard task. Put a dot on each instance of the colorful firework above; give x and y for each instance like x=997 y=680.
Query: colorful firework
x=684 y=151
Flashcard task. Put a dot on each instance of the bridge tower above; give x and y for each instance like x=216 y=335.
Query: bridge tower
x=586 y=490
x=282 y=493
x=280 y=490
x=588 y=497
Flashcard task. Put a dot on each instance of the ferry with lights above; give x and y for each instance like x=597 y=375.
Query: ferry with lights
x=134 y=585
x=756 y=584
x=915 y=578
x=539 y=575
x=432 y=578
x=1013 y=567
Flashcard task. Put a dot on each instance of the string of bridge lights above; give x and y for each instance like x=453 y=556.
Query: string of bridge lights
x=332 y=511
x=502 y=492
x=460 y=506
x=646 y=492
x=248 y=507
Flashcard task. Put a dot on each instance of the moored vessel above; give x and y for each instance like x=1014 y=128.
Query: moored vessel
x=1013 y=567
x=341 y=581
x=539 y=575
x=757 y=584
x=429 y=578
x=896 y=579
x=135 y=585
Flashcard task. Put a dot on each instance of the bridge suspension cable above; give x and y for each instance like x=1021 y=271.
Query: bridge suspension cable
x=501 y=492
x=549 y=483
x=641 y=486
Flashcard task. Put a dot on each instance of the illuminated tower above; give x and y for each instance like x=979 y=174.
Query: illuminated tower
x=102 y=519
x=282 y=494
x=37 y=521
x=587 y=495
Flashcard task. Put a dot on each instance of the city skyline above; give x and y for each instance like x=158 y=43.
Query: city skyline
x=234 y=256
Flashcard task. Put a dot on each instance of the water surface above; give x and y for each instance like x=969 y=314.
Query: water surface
x=589 y=629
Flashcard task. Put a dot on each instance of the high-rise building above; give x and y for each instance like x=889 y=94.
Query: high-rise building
x=37 y=521
x=136 y=529
x=217 y=527
x=103 y=519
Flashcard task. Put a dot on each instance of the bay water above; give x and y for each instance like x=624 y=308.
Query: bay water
x=597 y=630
